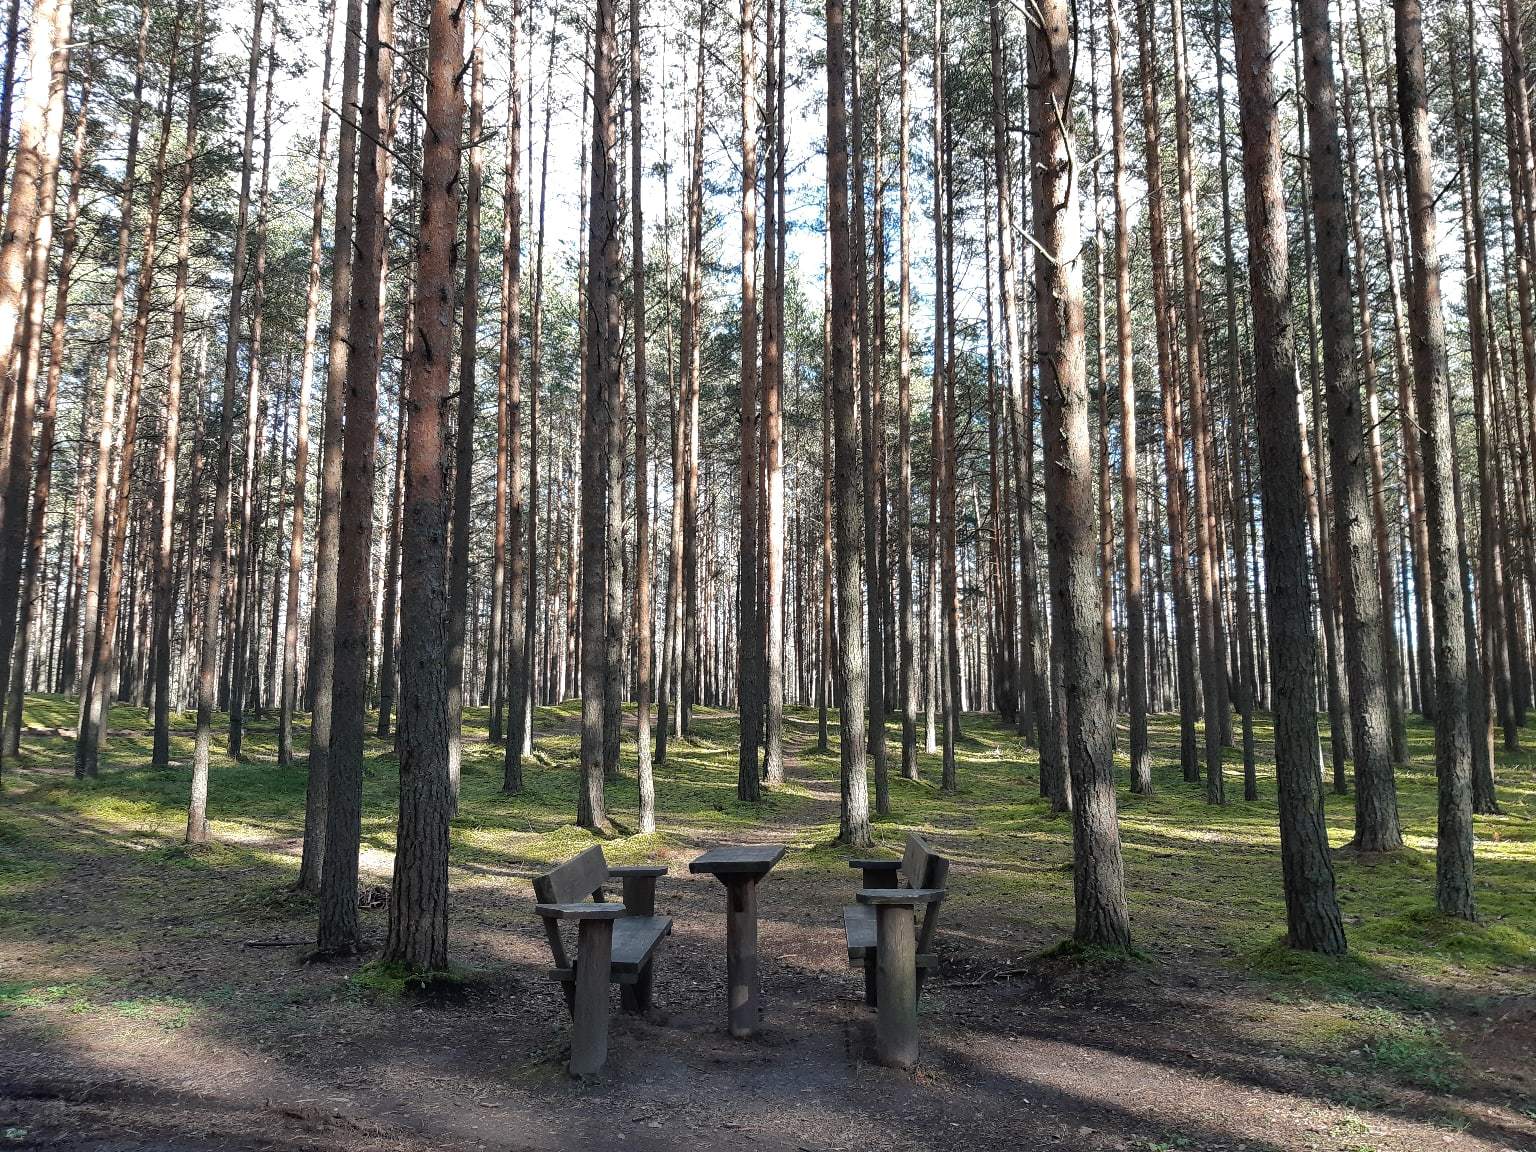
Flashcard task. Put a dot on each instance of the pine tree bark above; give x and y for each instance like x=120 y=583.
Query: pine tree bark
x=1376 y=823
x=339 y=929
x=464 y=432
x=1212 y=639
x=1135 y=610
x=243 y=658
x=418 y=903
x=36 y=541
x=37 y=148
x=1386 y=576
x=322 y=620
x=644 y=655
x=1167 y=371
x=853 y=824
x=514 y=652
x=17 y=561
x=1239 y=490
x=908 y=675
x=772 y=615
x=1312 y=913
x=1487 y=671
x=90 y=627
x=602 y=322
x=1453 y=747
x=290 y=685
x=749 y=668
x=1102 y=920
x=671 y=698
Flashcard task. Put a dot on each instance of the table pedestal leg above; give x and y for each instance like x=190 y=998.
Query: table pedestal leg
x=741 y=953
x=589 y=1027
x=896 y=981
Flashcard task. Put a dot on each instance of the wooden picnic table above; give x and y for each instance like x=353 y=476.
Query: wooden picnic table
x=739 y=867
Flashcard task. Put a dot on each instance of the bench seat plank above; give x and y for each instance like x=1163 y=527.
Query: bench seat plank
x=860 y=926
x=635 y=939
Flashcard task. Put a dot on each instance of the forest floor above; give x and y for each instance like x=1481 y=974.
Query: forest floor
x=135 y=1014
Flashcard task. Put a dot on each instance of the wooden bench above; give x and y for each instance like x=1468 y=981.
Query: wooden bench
x=615 y=943
x=881 y=938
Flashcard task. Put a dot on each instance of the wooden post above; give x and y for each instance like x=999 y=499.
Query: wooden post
x=896 y=985
x=589 y=1030
x=640 y=895
x=741 y=953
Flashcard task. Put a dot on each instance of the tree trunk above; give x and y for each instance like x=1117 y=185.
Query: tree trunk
x=1173 y=450
x=1376 y=823
x=290 y=685
x=1453 y=748
x=1136 y=625
x=749 y=673
x=908 y=621
x=1312 y=912
x=853 y=826
x=1211 y=634
x=15 y=525
x=36 y=541
x=322 y=620
x=773 y=420
x=464 y=432
x=602 y=320
x=418 y=903
x=1103 y=920
x=647 y=784
x=338 y=933
x=87 y=746
x=511 y=644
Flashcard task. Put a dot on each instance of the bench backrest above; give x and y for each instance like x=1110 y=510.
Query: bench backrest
x=580 y=878
x=922 y=867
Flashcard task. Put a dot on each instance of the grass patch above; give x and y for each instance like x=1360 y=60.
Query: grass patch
x=398 y=981
x=1199 y=878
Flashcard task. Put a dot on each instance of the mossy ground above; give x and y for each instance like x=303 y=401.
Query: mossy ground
x=1203 y=882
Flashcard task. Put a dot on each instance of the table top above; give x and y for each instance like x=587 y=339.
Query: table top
x=738 y=859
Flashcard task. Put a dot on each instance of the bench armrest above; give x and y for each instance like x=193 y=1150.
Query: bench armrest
x=909 y=897
x=579 y=911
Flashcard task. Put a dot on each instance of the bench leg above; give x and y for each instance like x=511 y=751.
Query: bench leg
x=589 y=1029
x=896 y=981
x=636 y=998
x=871 y=985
